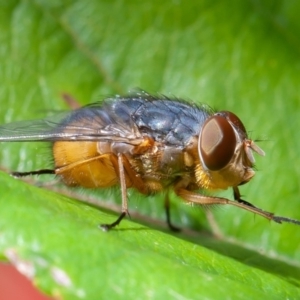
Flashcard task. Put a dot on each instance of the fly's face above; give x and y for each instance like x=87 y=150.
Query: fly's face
x=225 y=151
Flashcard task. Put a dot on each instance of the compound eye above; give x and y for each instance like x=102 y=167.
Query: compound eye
x=234 y=119
x=217 y=142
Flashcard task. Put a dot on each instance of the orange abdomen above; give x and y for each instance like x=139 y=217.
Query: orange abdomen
x=80 y=164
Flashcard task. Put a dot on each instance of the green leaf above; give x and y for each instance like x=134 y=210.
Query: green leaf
x=57 y=241
x=234 y=55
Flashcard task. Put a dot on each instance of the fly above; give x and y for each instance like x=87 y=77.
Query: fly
x=151 y=144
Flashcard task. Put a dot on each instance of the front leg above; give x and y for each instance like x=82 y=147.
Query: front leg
x=198 y=199
x=237 y=197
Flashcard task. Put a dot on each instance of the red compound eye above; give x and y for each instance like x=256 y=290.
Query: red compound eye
x=235 y=121
x=217 y=142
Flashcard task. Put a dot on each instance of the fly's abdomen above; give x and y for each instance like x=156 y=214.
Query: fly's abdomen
x=80 y=164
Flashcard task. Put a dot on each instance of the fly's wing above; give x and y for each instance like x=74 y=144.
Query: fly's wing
x=31 y=130
x=91 y=123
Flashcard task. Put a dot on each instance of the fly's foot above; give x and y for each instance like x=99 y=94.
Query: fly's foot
x=107 y=227
x=174 y=228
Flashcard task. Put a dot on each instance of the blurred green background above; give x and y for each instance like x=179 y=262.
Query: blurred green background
x=242 y=56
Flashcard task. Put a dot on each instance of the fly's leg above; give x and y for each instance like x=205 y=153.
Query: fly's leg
x=38 y=172
x=277 y=219
x=125 y=172
x=194 y=198
x=168 y=214
x=107 y=227
x=237 y=197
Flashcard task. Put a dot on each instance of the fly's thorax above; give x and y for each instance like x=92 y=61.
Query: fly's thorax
x=225 y=153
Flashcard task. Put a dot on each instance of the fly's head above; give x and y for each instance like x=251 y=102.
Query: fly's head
x=225 y=152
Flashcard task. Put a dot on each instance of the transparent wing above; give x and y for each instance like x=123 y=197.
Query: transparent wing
x=31 y=130
x=91 y=123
